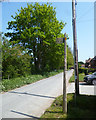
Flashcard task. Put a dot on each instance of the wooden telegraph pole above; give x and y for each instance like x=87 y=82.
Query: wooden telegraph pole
x=64 y=78
x=75 y=49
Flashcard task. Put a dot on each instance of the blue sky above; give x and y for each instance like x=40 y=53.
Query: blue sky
x=85 y=23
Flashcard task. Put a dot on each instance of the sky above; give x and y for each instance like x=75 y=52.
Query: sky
x=84 y=23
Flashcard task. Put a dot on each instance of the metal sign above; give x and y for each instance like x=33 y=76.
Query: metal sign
x=65 y=36
x=59 y=40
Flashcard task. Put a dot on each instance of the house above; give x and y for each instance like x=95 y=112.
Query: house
x=91 y=63
x=87 y=63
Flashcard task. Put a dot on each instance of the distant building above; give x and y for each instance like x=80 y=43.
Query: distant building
x=87 y=63
x=83 y=66
x=91 y=63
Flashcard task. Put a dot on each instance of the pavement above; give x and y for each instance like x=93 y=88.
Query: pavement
x=84 y=88
x=32 y=100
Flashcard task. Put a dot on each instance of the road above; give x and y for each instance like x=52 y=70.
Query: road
x=32 y=100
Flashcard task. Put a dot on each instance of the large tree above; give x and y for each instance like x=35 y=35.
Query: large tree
x=36 y=28
x=15 y=62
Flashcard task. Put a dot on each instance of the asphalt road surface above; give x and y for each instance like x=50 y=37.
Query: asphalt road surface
x=32 y=100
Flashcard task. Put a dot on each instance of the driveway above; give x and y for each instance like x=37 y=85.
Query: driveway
x=84 y=88
x=32 y=100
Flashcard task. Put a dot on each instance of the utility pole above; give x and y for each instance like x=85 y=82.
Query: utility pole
x=64 y=78
x=75 y=49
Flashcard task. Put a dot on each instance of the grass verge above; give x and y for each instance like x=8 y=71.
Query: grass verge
x=85 y=107
x=81 y=76
x=13 y=83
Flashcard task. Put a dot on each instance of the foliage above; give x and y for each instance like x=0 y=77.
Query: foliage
x=83 y=70
x=83 y=107
x=14 y=62
x=81 y=78
x=92 y=70
x=28 y=79
x=80 y=62
x=70 y=60
x=36 y=28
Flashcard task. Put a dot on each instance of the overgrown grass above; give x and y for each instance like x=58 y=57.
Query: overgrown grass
x=81 y=77
x=20 y=81
x=85 y=107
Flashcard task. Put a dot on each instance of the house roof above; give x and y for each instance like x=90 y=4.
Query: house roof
x=94 y=58
x=87 y=61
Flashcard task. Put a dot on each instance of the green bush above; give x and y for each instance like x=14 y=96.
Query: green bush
x=15 y=63
x=83 y=70
x=92 y=70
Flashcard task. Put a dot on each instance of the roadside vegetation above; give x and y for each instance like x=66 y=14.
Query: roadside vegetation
x=29 y=48
x=81 y=77
x=82 y=72
x=83 y=108
x=21 y=81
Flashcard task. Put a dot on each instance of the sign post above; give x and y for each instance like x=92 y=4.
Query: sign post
x=63 y=40
x=64 y=78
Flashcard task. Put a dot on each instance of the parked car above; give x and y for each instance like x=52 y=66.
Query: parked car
x=90 y=79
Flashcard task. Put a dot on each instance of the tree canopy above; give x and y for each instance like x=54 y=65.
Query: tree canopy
x=36 y=28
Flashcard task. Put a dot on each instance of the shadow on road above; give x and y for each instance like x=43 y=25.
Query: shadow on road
x=34 y=118
x=25 y=93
